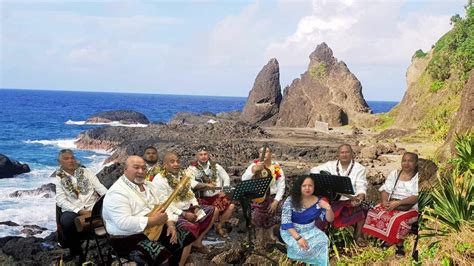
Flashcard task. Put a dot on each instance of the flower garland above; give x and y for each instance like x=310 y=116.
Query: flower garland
x=207 y=178
x=82 y=182
x=152 y=172
x=185 y=193
x=276 y=171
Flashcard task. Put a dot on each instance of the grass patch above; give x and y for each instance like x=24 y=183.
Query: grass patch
x=436 y=86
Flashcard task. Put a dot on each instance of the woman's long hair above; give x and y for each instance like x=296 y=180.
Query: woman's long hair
x=296 y=192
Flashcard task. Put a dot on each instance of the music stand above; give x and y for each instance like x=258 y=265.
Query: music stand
x=330 y=185
x=244 y=193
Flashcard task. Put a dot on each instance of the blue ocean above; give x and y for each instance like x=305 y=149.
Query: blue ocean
x=35 y=125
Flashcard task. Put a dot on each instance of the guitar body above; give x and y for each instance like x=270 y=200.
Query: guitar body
x=262 y=174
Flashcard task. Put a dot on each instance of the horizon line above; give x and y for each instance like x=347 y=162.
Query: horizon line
x=153 y=93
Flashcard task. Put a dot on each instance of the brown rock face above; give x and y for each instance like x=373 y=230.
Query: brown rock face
x=264 y=99
x=464 y=119
x=326 y=92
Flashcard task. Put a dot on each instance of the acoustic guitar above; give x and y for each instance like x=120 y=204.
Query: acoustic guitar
x=264 y=173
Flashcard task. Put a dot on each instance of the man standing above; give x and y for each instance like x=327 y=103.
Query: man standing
x=77 y=191
x=209 y=172
x=347 y=210
x=152 y=166
x=126 y=205
x=185 y=210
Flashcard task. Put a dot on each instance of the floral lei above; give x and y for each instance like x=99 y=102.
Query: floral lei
x=276 y=173
x=212 y=177
x=185 y=193
x=82 y=182
x=152 y=172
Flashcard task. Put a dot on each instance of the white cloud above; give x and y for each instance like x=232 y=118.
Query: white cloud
x=360 y=32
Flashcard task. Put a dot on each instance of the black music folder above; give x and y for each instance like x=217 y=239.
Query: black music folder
x=330 y=185
x=251 y=189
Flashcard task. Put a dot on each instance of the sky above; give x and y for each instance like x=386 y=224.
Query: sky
x=211 y=47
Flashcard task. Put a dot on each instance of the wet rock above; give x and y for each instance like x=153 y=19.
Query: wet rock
x=10 y=168
x=47 y=191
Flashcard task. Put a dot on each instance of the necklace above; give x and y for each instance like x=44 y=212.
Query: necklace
x=350 y=169
x=138 y=193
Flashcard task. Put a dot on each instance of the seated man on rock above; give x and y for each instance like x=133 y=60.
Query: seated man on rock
x=210 y=173
x=347 y=210
x=77 y=191
x=185 y=210
x=126 y=206
x=151 y=159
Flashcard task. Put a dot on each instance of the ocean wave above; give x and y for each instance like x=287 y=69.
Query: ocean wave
x=61 y=143
x=112 y=124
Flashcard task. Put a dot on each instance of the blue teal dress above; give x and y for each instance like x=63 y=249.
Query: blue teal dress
x=303 y=221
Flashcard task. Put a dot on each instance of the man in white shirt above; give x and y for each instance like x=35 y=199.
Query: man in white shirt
x=208 y=172
x=347 y=209
x=126 y=205
x=77 y=191
x=150 y=156
x=185 y=210
x=267 y=214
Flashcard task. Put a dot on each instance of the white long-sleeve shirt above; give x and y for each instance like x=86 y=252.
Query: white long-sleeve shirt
x=277 y=186
x=68 y=201
x=357 y=175
x=222 y=178
x=403 y=189
x=125 y=207
x=176 y=208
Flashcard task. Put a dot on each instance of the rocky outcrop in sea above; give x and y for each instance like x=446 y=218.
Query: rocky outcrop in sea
x=263 y=102
x=10 y=168
x=122 y=116
x=327 y=92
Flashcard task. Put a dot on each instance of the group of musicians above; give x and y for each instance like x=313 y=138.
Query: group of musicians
x=128 y=204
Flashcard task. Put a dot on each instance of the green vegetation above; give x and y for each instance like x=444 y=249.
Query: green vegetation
x=319 y=70
x=436 y=86
x=439 y=115
x=447 y=228
x=419 y=54
x=453 y=54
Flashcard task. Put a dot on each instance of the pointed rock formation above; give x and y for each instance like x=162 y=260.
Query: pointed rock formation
x=326 y=92
x=264 y=99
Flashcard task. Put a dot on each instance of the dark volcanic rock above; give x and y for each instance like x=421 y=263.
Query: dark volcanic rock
x=9 y=223
x=109 y=174
x=47 y=190
x=31 y=230
x=122 y=116
x=189 y=118
x=10 y=168
x=326 y=92
x=264 y=99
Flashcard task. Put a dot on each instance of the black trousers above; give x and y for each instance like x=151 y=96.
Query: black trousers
x=72 y=238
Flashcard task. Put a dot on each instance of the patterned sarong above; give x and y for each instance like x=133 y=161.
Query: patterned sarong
x=196 y=228
x=390 y=226
x=260 y=215
x=220 y=202
x=345 y=214
x=144 y=251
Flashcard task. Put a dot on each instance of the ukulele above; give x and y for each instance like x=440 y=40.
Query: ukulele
x=264 y=173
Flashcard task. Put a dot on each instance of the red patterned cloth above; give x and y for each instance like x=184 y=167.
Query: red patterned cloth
x=220 y=202
x=264 y=219
x=345 y=214
x=390 y=226
x=196 y=228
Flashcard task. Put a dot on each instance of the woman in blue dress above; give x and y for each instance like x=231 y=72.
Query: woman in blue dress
x=305 y=242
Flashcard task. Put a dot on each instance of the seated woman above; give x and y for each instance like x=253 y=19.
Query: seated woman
x=391 y=220
x=306 y=243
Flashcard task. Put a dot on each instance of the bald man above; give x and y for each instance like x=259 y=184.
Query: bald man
x=126 y=205
x=186 y=212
